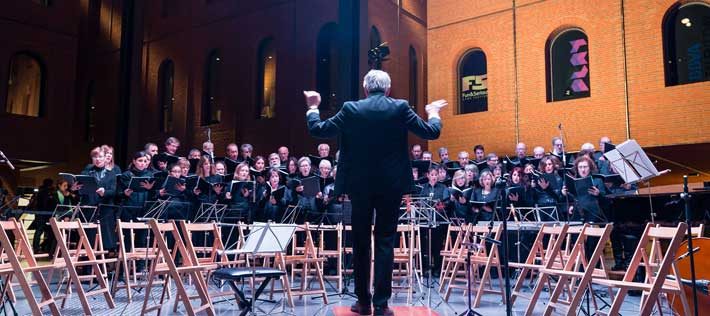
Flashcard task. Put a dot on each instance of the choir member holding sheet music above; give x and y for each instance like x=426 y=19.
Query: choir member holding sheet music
x=483 y=200
x=518 y=189
x=547 y=184
x=206 y=187
x=585 y=191
x=102 y=197
x=273 y=198
x=135 y=187
x=240 y=194
x=460 y=195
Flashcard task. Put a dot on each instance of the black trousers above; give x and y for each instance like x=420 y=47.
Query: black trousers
x=387 y=210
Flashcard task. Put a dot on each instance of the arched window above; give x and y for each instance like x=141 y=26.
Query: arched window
x=266 y=81
x=210 y=105
x=25 y=86
x=473 y=82
x=327 y=65
x=567 y=65
x=90 y=111
x=413 y=78
x=686 y=43
x=166 y=76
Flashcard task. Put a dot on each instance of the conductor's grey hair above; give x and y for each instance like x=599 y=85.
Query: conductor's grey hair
x=376 y=81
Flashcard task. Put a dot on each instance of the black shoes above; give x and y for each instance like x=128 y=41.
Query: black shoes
x=361 y=308
x=383 y=311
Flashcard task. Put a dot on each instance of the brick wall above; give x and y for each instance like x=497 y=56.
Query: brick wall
x=658 y=115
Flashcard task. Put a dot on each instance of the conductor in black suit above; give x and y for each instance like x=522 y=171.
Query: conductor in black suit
x=375 y=171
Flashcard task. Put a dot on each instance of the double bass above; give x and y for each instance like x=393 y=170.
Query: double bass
x=701 y=256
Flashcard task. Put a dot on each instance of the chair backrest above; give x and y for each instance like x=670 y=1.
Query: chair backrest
x=477 y=235
x=547 y=243
x=329 y=229
x=698 y=231
x=303 y=243
x=209 y=231
x=160 y=232
x=131 y=229
x=63 y=230
x=21 y=249
x=578 y=258
x=657 y=261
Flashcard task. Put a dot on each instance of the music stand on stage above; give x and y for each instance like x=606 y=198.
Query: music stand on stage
x=85 y=214
x=209 y=212
x=263 y=238
x=156 y=210
x=422 y=212
x=633 y=165
x=291 y=213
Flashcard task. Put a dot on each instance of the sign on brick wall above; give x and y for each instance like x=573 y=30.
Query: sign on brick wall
x=473 y=84
x=568 y=66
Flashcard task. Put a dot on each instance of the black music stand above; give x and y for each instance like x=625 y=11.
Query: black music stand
x=85 y=214
x=210 y=212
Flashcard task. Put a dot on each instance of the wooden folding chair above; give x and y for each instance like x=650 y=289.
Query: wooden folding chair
x=452 y=245
x=208 y=255
x=306 y=263
x=698 y=231
x=129 y=255
x=545 y=247
x=79 y=254
x=332 y=251
x=405 y=260
x=165 y=265
x=576 y=275
x=658 y=269
x=84 y=255
x=486 y=256
x=22 y=265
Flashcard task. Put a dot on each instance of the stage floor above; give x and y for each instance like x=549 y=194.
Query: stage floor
x=338 y=305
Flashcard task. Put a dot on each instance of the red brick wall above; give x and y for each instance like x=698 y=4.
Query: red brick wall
x=658 y=115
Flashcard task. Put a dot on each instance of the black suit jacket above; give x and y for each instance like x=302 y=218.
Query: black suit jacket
x=373 y=143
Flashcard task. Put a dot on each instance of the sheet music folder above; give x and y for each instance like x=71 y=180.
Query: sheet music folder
x=631 y=162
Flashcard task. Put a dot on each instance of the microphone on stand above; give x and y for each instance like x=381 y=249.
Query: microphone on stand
x=7 y=161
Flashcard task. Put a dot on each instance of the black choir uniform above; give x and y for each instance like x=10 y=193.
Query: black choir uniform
x=240 y=207
x=551 y=196
x=311 y=207
x=586 y=206
x=265 y=210
x=490 y=197
x=106 y=211
x=133 y=206
x=463 y=210
x=209 y=197
x=441 y=195
x=180 y=202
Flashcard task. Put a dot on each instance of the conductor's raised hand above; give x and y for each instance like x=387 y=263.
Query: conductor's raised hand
x=312 y=99
x=434 y=107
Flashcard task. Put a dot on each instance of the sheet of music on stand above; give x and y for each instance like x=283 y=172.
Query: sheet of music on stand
x=631 y=162
x=266 y=238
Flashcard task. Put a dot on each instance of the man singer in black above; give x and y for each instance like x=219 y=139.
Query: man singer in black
x=375 y=171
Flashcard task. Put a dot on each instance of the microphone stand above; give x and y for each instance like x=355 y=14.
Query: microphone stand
x=686 y=198
x=501 y=199
x=564 y=165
